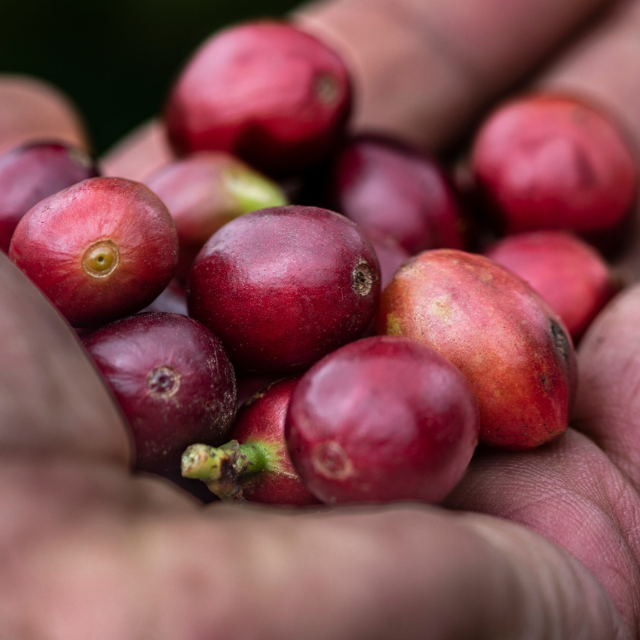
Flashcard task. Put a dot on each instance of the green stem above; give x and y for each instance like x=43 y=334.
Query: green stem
x=221 y=467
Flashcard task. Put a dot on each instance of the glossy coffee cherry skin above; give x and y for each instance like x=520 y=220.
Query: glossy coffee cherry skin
x=510 y=345
x=284 y=286
x=172 y=380
x=265 y=91
x=99 y=250
x=564 y=270
x=382 y=419
x=261 y=421
x=392 y=189
x=546 y=162
x=32 y=172
x=205 y=191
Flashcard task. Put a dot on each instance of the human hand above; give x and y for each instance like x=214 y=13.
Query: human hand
x=89 y=550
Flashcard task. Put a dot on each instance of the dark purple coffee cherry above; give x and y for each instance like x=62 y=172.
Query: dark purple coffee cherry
x=395 y=190
x=173 y=381
x=32 y=172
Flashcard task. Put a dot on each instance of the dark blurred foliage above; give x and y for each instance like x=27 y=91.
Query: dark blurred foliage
x=116 y=59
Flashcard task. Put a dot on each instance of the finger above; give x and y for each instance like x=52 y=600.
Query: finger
x=44 y=496
x=571 y=494
x=400 y=573
x=139 y=154
x=52 y=400
x=608 y=402
x=424 y=68
x=32 y=110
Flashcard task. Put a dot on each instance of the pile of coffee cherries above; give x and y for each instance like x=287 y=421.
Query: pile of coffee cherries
x=331 y=272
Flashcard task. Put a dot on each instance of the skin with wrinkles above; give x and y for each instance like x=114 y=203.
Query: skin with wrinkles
x=32 y=110
x=89 y=551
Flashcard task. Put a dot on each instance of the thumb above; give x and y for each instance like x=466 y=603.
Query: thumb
x=52 y=399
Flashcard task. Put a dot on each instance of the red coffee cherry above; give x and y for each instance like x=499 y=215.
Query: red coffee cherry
x=550 y=162
x=511 y=346
x=172 y=379
x=31 y=173
x=392 y=189
x=99 y=250
x=282 y=287
x=265 y=91
x=382 y=419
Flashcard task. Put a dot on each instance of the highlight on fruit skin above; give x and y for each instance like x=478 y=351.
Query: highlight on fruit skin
x=568 y=273
x=284 y=286
x=205 y=191
x=392 y=189
x=100 y=250
x=512 y=347
x=265 y=91
x=554 y=162
x=173 y=381
x=382 y=419
x=255 y=465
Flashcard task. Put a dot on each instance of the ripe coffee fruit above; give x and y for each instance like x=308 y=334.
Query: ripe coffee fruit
x=382 y=419
x=265 y=91
x=255 y=466
x=567 y=272
x=172 y=380
x=205 y=191
x=550 y=162
x=99 y=250
x=392 y=189
x=33 y=172
x=282 y=287
x=510 y=345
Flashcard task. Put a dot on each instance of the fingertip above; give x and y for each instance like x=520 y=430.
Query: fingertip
x=32 y=109
x=140 y=154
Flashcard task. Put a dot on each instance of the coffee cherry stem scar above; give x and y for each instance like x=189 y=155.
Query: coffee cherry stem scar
x=220 y=467
x=101 y=258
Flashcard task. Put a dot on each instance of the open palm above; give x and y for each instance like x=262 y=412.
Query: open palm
x=542 y=544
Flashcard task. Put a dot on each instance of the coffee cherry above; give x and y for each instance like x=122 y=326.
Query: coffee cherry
x=568 y=273
x=392 y=189
x=382 y=419
x=265 y=91
x=99 y=250
x=205 y=191
x=551 y=162
x=172 y=380
x=256 y=466
x=511 y=346
x=33 y=172
x=282 y=287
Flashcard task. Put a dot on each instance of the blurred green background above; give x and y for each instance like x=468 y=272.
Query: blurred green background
x=115 y=59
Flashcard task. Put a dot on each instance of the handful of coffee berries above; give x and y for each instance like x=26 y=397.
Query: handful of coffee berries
x=394 y=326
